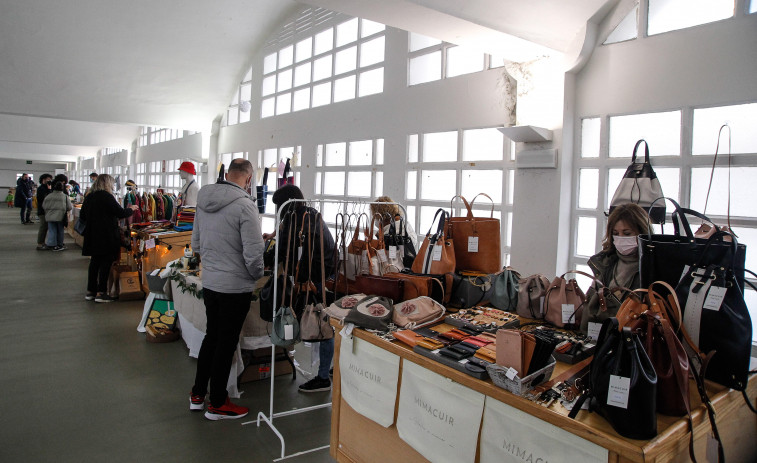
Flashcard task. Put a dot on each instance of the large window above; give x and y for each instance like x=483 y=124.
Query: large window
x=682 y=156
x=430 y=59
x=270 y=158
x=155 y=135
x=465 y=162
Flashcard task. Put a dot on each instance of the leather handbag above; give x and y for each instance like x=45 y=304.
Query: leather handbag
x=371 y=312
x=398 y=237
x=339 y=309
x=564 y=302
x=471 y=290
x=476 y=239
x=80 y=226
x=707 y=230
x=314 y=323
x=531 y=292
x=361 y=257
x=417 y=312
x=437 y=253
x=622 y=383
x=286 y=329
x=640 y=185
x=504 y=294
x=283 y=283
x=413 y=285
x=392 y=288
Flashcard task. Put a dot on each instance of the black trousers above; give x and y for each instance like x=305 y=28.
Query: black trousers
x=97 y=276
x=26 y=210
x=226 y=314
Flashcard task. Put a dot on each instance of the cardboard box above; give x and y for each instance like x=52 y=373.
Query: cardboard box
x=258 y=365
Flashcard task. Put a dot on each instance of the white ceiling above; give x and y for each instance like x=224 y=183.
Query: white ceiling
x=79 y=76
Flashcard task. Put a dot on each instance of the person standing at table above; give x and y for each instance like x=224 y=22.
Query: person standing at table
x=42 y=191
x=228 y=239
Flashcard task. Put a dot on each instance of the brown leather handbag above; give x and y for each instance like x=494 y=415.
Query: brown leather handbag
x=476 y=239
x=564 y=302
x=437 y=253
x=392 y=288
x=413 y=286
x=531 y=292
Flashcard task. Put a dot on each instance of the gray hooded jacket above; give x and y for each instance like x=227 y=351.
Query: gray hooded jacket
x=227 y=235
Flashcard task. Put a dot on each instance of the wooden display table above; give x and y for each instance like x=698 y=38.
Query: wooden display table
x=355 y=438
x=161 y=255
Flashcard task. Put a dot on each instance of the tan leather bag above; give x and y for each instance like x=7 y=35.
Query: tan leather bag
x=531 y=292
x=417 y=312
x=437 y=253
x=476 y=239
x=564 y=302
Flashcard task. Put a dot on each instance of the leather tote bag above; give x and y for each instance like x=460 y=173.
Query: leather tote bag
x=531 y=292
x=623 y=383
x=476 y=240
x=361 y=257
x=504 y=295
x=640 y=185
x=314 y=323
x=437 y=253
x=564 y=302
x=412 y=285
x=286 y=328
x=417 y=313
x=471 y=290
x=398 y=237
x=715 y=315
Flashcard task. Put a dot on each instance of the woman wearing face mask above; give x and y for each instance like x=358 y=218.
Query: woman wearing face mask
x=617 y=264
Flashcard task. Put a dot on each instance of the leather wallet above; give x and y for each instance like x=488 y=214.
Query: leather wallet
x=510 y=350
x=477 y=341
x=486 y=354
x=455 y=334
x=454 y=354
x=408 y=337
x=430 y=344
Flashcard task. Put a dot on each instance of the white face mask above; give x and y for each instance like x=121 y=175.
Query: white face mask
x=625 y=245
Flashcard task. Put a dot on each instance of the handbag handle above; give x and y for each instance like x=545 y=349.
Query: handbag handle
x=646 y=151
x=712 y=172
x=286 y=262
x=491 y=213
x=442 y=222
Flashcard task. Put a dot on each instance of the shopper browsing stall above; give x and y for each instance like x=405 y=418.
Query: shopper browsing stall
x=56 y=206
x=43 y=190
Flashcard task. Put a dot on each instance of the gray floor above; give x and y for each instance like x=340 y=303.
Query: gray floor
x=79 y=383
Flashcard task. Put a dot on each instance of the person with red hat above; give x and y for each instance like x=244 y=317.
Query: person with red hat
x=188 y=193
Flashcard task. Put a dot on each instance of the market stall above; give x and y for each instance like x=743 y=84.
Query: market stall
x=159 y=247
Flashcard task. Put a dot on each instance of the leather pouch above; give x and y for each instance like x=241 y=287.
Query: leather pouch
x=408 y=337
x=455 y=334
x=486 y=354
x=430 y=344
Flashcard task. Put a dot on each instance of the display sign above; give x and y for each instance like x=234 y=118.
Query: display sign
x=438 y=417
x=509 y=435
x=369 y=378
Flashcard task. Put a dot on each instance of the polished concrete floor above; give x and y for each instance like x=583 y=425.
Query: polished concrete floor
x=80 y=384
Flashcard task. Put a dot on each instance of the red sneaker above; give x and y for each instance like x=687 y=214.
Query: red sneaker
x=196 y=402
x=227 y=411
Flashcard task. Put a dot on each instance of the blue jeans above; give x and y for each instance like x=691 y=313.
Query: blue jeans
x=54 y=234
x=26 y=210
x=325 y=354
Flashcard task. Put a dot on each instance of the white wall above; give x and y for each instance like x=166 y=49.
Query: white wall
x=188 y=147
x=10 y=167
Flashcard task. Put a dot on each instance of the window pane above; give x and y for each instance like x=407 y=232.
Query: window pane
x=425 y=68
x=324 y=41
x=283 y=103
x=346 y=32
x=302 y=74
x=586 y=236
x=369 y=27
x=322 y=68
x=379 y=189
x=269 y=85
x=590 y=137
x=627 y=29
x=333 y=183
x=304 y=49
x=286 y=56
x=670 y=181
x=318 y=182
x=418 y=41
x=233 y=115
x=670 y=15
x=412 y=182
x=742 y=182
x=426 y=221
x=412 y=148
x=483 y=145
x=750 y=297
x=741 y=118
x=359 y=184
x=462 y=61
x=371 y=82
x=509 y=232
x=372 y=52
x=438 y=184
x=344 y=89
x=379 y=152
x=360 y=153
x=583 y=282
x=588 y=188
x=284 y=80
x=270 y=158
x=747 y=236
x=440 y=147
x=346 y=60
x=510 y=186
x=301 y=99
x=269 y=63
x=481 y=181
x=322 y=94
x=661 y=130
x=244 y=116
x=336 y=154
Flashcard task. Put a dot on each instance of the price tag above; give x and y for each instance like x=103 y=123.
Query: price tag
x=150 y=244
x=381 y=255
x=437 y=256
x=594 y=329
x=473 y=244
x=341 y=253
x=392 y=252
x=714 y=298
x=463 y=361
x=435 y=351
x=617 y=395
x=511 y=373
x=568 y=311
x=288 y=332
x=299 y=252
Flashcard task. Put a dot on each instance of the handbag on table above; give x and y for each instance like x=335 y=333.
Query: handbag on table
x=437 y=253
x=398 y=237
x=412 y=285
x=564 y=301
x=471 y=290
x=371 y=312
x=504 y=295
x=417 y=312
x=361 y=257
x=476 y=239
x=531 y=292
x=392 y=288
x=640 y=185
x=314 y=323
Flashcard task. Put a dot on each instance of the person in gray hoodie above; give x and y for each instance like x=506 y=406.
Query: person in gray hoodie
x=229 y=241
x=56 y=206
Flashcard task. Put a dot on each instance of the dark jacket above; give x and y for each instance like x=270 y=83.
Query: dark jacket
x=42 y=192
x=311 y=228
x=100 y=212
x=603 y=266
x=23 y=192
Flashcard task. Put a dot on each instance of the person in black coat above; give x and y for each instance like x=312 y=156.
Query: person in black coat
x=43 y=190
x=100 y=212
x=23 y=198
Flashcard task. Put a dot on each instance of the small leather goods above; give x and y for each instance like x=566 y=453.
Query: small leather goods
x=564 y=302
x=437 y=253
x=430 y=344
x=371 y=312
x=408 y=337
x=476 y=239
x=486 y=354
x=376 y=285
x=417 y=312
x=504 y=294
x=531 y=292
x=477 y=341
x=640 y=185
x=455 y=334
